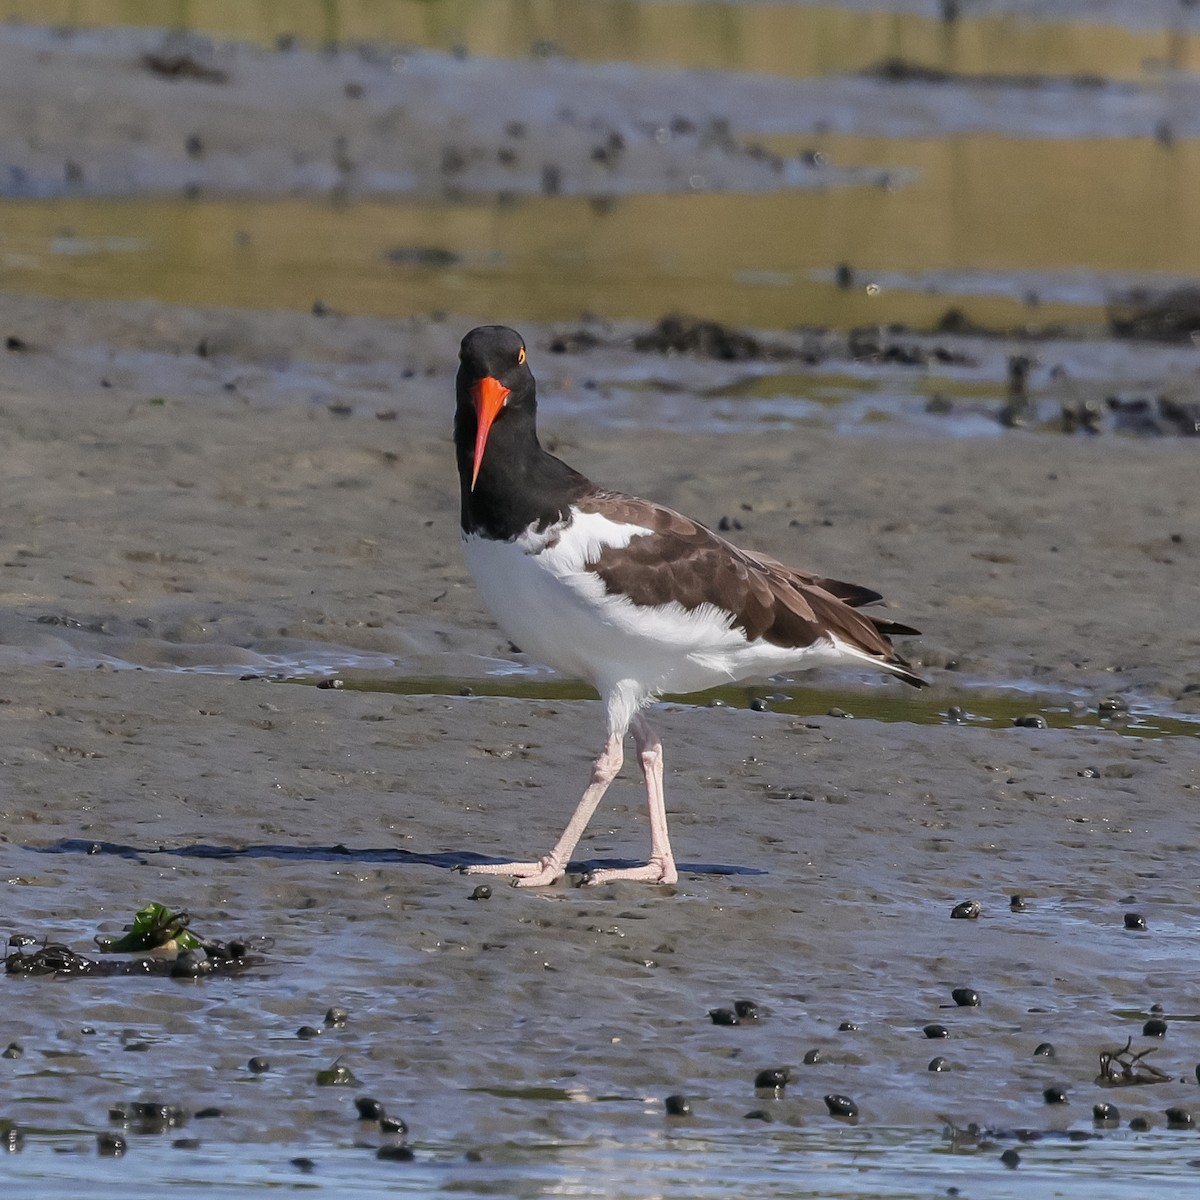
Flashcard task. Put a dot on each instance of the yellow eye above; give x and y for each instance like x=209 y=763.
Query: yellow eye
x=521 y=357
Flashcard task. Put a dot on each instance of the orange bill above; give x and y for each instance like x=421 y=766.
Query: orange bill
x=490 y=396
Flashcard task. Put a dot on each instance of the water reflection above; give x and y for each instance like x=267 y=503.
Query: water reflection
x=985 y=225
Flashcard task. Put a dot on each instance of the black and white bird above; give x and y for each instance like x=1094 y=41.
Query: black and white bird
x=628 y=595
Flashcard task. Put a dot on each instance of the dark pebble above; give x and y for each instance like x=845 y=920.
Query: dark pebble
x=956 y=715
x=337 y=1017
x=1054 y=1095
x=815 y=1056
x=1139 y=1124
x=1016 y=903
x=723 y=1016
x=1030 y=721
x=395 y=1154
x=188 y=966
x=759 y=1114
x=746 y=1010
x=841 y=1107
x=758 y=704
x=12 y=1140
x=1135 y=921
x=1198 y=1072
x=938 y=1064
x=121 y=1112
x=678 y=1106
x=369 y=1109
x=304 y=1165
x=20 y=940
x=728 y=524
x=111 y=1145
x=966 y=910
x=258 y=1064
x=840 y=713
x=482 y=892
x=393 y=1125
x=332 y=682
x=1113 y=706
x=1180 y=1118
x=1043 y=1050
x=305 y=1032
x=775 y=1078
x=1105 y=1113
x=1155 y=1027
x=207 y=1114
x=15 y=344
x=188 y=1143
x=936 y=1031
x=1011 y=1159
x=847 y=1027
x=965 y=997
x=13 y=1050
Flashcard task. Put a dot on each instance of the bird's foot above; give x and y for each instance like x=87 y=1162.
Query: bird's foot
x=655 y=871
x=524 y=874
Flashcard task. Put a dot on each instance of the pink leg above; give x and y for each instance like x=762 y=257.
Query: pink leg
x=554 y=865
x=661 y=867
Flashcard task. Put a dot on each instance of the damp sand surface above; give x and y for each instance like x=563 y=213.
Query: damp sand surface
x=207 y=510
x=181 y=556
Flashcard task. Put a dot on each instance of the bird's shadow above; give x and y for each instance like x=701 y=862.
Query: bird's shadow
x=340 y=853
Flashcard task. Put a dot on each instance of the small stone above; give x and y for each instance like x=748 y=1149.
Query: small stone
x=847 y=1027
x=723 y=1016
x=956 y=715
x=746 y=1010
x=1155 y=1027
x=207 y=1114
x=1105 y=1113
x=336 y=1017
x=1139 y=1124
x=936 y=1031
x=758 y=704
x=938 y=1064
x=305 y=1032
x=1011 y=1159
x=111 y=1145
x=1113 y=706
x=1030 y=721
x=841 y=1107
x=815 y=1056
x=758 y=1114
x=393 y=1125
x=305 y=1166
x=13 y=1050
x=1054 y=1095
x=773 y=1078
x=965 y=997
x=482 y=892
x=1016 y=903
x=1135 y=921
x=840 y=713
x=1180 y=1118
x=678 y=1106
x=258 y=1065
x=966 y=910
x=395 y=1154
x=369 y=1109
x=12 y=1140
x=1043 y=1050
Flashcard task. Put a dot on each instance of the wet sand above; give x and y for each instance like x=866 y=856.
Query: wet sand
x=168 y=521
x=236 y=503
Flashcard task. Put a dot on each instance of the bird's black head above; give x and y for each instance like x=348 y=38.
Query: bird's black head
x=494 y=385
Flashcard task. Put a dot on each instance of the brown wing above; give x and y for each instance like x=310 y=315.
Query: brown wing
x=683 y=561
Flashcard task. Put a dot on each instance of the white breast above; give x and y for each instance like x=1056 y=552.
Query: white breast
x=543 y=598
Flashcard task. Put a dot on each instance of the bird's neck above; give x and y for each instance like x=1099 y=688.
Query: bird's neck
x=519 y=483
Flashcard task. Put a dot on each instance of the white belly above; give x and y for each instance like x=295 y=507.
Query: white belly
x=543 y=598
